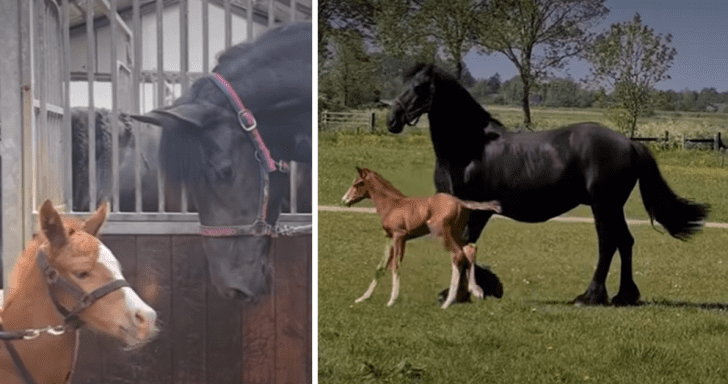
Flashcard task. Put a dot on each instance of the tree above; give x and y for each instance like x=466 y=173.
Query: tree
x=538 y=35
x=453 y=23
x=631 y=58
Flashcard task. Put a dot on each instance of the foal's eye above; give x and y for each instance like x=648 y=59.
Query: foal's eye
x=82 y=275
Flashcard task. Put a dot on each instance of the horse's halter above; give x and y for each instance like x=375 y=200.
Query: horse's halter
x=417 y=113
x=260 y=227
x=71 y=321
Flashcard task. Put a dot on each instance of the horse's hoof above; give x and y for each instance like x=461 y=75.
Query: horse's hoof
x=586 y=299
x=626 y=300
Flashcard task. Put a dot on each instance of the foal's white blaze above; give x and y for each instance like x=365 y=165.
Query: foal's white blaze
x=134 y=304
x=346 y=198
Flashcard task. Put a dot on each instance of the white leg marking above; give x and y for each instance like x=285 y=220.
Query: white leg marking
x=368 y=293
x=395 y=288
x=453 y=287
x=473 y=287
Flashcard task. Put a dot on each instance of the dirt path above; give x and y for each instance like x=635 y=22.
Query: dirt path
x=563 y=219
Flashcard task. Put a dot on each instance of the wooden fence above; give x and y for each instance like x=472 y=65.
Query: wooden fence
x=356 y=121
x=715 y=143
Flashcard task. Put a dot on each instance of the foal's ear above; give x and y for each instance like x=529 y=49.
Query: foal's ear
x=52 y=225
x=361 y=171
x=93 y=224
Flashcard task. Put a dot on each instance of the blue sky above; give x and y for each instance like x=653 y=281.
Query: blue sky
x=699 y=30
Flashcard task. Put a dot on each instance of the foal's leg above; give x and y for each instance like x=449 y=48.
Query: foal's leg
x=457 y=266
x=397 y=254
x=473 y=286
x=379 y=272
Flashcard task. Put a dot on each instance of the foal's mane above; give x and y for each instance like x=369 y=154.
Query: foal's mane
x=384 y=183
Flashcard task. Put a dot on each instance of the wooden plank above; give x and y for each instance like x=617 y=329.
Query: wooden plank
x=259 y=336
x=154 y=285
x=188 y=310
x=224 y=338
x=292 y=287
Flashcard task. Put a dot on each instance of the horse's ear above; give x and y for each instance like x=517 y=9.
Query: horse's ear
x=189 y=113
x=362 y=172
x=93 y=224
x=52 y=225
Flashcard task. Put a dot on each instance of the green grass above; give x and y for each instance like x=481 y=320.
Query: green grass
x=531 y=335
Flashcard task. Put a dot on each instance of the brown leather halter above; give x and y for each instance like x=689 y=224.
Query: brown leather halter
x=71 y=321
x=259 y=227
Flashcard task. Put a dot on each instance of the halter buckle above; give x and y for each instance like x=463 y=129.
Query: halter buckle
x=261 y=228
x=244 y=117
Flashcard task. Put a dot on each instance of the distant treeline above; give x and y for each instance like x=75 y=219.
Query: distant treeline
x=376 y=77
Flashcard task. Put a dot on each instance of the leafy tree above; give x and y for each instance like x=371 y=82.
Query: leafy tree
x=631 y=58
x=350 y=81
x=538 y=35
x=453 y=23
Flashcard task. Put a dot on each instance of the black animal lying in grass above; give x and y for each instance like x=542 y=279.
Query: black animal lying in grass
x=487 y=280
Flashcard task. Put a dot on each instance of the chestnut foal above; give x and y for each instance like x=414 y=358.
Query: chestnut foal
x=405 y=218
x=66 y=278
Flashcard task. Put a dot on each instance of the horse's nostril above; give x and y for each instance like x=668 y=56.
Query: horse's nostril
x=226 y=172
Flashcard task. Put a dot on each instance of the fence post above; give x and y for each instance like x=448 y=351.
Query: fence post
x=716 y=142
x=373 y=120
x=325 y=116
x=682 y=146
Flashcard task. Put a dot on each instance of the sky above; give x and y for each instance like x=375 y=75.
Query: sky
x=699 y=33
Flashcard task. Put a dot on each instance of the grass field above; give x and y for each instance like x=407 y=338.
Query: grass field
x=531 y=335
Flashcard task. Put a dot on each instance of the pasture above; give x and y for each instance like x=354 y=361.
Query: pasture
x=532 y=334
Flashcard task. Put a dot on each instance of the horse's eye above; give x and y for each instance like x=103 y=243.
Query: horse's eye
x=82 y=275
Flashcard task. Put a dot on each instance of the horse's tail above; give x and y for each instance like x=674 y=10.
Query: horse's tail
x=681 y=217
x=484 y=206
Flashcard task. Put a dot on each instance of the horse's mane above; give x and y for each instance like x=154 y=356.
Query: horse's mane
x=384 y=182
x=26 y=263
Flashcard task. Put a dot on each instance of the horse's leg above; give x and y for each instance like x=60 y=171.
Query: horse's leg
x=607 y=221
x=378 y=273
x=473 y=286
x=396 y=259
x=628 y=293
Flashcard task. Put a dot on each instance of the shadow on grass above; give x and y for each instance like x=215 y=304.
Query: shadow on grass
x=649 y=303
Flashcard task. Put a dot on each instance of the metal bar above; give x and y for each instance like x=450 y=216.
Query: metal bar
x=12 y=166
x=205 y=36
x=91 y=68
x=136 y=74
x=114 y=68
x=271 y=14
x=67 y=134
x=119 y=20
x=293 y=10
x=293 y=197
x=160 y=93
x=184 y=60
x=228 y=25
x=43 y=150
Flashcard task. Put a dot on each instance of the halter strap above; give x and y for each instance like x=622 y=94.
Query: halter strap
x=25 y=376
x=249 y=124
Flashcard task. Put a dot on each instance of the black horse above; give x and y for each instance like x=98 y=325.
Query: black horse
x=540 y=175
x=205 y=145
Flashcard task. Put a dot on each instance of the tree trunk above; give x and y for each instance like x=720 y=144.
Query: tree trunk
x=459 y=70
x=525 y=102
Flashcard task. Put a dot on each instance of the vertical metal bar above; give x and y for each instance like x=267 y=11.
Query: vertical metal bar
x=13 y=167
x=136 y=75
x=90 y=77
x=293 y=181
x=249 y=22
x=43 y=151
x=205 y=37
x=67 y=134
x=114 y=68
x=228 y=25
x=184 y=68
x=293 y=10
x=161 y=88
